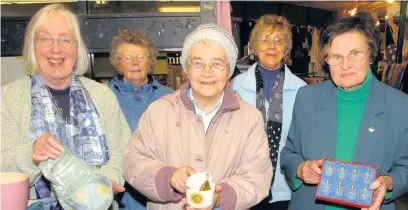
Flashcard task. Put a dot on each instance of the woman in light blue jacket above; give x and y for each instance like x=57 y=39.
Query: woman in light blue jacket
x=133 y=55
x=271 y=87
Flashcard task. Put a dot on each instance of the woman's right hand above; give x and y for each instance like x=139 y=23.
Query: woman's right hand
x=309 y=171
x=45 y=147
x=179 y=177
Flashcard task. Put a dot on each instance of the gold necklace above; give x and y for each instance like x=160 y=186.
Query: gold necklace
x=60 y=110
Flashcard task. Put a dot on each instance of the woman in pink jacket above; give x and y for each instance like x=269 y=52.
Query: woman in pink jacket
x=204 y=128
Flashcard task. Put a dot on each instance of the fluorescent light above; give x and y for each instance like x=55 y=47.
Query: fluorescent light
x=179 y=9
x=100 y=2
x=390 y=1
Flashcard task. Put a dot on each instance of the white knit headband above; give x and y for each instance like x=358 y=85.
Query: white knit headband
x=215 y=33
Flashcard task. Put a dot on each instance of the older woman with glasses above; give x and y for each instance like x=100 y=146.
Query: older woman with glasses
x=270 y=86
x=204 y=128
x=133 y=55
x=352 y=117
x=55 y=109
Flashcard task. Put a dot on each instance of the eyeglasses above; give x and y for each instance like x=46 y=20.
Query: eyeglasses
x=278 y=40
x=132 y=58
x=46 y=41
x=353 y=56
x=217 y=66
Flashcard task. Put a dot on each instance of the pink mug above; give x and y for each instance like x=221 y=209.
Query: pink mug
x=14 y=191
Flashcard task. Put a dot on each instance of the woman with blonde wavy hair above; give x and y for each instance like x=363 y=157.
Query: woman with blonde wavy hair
x=55 y=110
x=270 y=86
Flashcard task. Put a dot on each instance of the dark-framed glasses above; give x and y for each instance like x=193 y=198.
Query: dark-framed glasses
x=353 y=56
x=216 y=66
x=133 y=58
x=278 y=40
x=63 y=41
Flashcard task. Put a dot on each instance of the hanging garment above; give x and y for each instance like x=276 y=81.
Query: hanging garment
x=388 y=35
x=400 y=76
x=390 y=73
x=404 y=82
x=380 y=69
x=314 y=51
x=246 y=28
x=236 y=33
x=395 y=74
x=391 y=53
x=300 y=49
x=385 y=71
x=394 y=31
x=224 y=15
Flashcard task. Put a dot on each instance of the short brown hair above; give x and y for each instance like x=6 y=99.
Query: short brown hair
x=361 y=22
x=273 y=23
x=136 y=37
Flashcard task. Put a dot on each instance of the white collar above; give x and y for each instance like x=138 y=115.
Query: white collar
x=214 y=109
x=250 y=80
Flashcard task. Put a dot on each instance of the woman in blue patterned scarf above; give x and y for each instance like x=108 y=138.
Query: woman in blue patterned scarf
x=56 y=111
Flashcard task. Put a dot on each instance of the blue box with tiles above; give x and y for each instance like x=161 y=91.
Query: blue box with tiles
x=346 y=183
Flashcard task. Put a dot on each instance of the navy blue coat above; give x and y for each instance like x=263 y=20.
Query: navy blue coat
x=312 y=136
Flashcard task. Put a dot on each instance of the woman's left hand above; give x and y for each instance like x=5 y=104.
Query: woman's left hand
x=380 y=189
x=216 y=201
x=117 y=188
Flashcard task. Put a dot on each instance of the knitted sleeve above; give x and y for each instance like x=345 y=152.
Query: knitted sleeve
x=16 y=150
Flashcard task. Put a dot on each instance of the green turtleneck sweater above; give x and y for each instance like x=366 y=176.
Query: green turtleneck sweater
x=350 y=110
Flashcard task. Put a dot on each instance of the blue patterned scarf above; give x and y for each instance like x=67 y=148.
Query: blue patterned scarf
x=273 y=116
x=81 y=133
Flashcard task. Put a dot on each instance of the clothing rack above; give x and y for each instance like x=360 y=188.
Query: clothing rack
x=395 y=75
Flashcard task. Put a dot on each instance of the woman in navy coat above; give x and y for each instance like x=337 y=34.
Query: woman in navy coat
x=352 y=117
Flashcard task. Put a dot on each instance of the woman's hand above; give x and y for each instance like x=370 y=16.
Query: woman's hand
x=380 y=186
x=179 y=177
x=46 y=147
x=216 y=201
x=309 y=171
x=117 y=188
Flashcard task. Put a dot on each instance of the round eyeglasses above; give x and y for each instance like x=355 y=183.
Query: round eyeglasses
x=46 y=41
x=200 y=65
x=353 y=56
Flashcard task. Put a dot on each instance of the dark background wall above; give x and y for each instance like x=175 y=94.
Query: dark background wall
x=296 y=15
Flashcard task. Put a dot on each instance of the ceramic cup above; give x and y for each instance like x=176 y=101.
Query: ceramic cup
x=14 y=190
x=196 y=198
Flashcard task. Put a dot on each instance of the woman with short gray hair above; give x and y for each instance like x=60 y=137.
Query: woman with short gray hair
x=203 y=128
x=133 y=55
